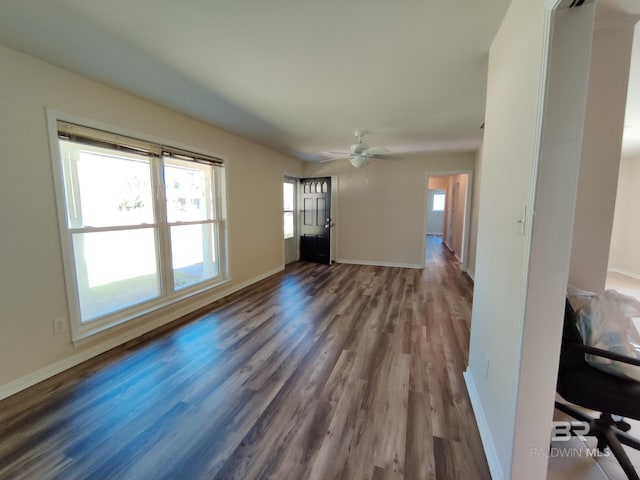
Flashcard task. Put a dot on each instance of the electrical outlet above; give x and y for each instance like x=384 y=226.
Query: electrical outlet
x=59 y=325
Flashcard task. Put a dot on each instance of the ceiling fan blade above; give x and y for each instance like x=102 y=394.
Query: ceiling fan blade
x=333 y=159
x=335 y=153
x=386 y=157
x=376 y=151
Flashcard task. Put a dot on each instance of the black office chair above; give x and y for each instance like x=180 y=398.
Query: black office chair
x=588 y=387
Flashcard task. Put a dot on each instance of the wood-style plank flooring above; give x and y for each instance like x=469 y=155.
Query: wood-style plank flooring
x=342 y=372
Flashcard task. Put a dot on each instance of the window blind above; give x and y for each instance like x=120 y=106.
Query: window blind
x=101 y=138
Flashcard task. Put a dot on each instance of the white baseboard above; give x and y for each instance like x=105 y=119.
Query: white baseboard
x=626 y=273
x=60 y=366
x=485 y=435
x=376 y=263
x=437 y=234
x=472 y=275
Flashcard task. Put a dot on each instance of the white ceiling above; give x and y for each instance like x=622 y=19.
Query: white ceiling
x=296 y=75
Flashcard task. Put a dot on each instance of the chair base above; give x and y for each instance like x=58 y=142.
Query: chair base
x=609 y=434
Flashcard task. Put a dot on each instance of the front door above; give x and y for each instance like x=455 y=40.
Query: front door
x=315 y=213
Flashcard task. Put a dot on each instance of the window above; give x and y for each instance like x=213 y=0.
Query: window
x=289 y=209
x=438 y=202
x=142 y=226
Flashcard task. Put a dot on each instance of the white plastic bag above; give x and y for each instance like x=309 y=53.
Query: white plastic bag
x=606 y=323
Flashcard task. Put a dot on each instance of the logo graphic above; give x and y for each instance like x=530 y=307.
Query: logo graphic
x=563 y=431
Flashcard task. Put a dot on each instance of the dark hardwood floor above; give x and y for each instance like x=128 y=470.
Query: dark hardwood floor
x=341 y=372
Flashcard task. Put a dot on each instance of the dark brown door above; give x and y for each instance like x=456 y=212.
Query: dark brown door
x=315 y=212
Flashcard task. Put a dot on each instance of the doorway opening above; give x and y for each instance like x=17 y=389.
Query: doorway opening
x=316 y=222
x=309 y=219
x=447 y=212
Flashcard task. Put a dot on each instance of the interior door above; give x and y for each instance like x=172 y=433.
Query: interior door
x=315 y=225
x=435 y=211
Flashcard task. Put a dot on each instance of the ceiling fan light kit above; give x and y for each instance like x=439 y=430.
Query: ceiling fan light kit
x=358 y=161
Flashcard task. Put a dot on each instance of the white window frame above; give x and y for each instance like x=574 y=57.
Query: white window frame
x=169 y=295
x=294 y=182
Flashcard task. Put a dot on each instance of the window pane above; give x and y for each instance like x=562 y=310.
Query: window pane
x=288 y=224
x=193 y=252
x=438 y=202
x=115 y=270
x=105 y=187
x=288 y=196
x=189 y=190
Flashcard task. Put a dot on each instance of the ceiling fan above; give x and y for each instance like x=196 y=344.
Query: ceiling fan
x=360 y=152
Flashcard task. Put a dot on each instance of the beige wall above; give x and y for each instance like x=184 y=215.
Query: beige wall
x=512 y=89
x=32 y=293
x=438 y=182
x=381 y=207
x=600 y=162
x=625 y=236
x=473 y=224
x=522 y=265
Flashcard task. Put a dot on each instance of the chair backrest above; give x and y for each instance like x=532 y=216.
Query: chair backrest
x=569 y=357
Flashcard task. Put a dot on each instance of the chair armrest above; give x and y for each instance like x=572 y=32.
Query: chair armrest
x=598 y=352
